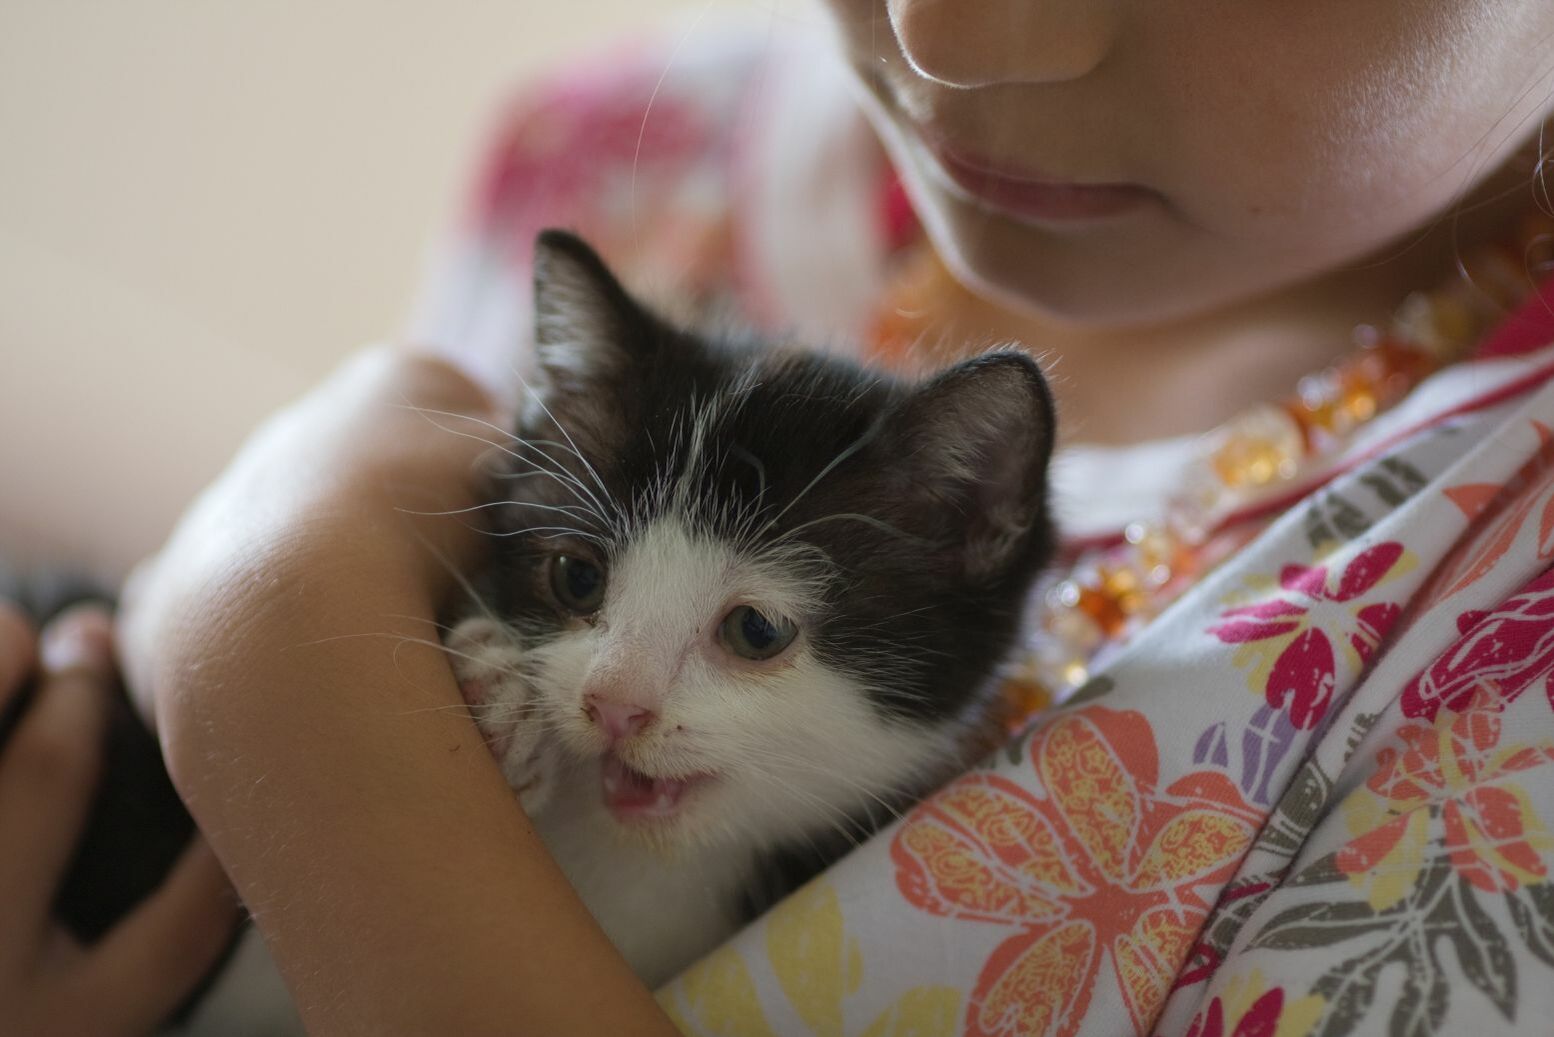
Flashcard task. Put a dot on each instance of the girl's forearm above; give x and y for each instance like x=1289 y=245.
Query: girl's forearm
x=360 y=816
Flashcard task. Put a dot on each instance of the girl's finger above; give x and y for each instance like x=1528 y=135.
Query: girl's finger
x=59 y=952
x=144 y=967
x=18 y=651
x=49 y=769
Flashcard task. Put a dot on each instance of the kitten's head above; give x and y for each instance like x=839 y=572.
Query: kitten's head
x=756 y=589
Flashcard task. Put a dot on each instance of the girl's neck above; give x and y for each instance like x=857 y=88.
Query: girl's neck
x=1129 y=384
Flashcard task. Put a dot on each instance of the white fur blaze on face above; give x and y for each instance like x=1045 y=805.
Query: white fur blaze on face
x=736 y=750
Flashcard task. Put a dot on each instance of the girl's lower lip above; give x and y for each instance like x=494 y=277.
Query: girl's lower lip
x=1034 y=199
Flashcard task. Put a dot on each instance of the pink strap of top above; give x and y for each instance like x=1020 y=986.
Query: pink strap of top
x=1531 y=327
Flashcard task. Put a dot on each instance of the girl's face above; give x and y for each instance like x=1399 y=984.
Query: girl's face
x=1125 y=161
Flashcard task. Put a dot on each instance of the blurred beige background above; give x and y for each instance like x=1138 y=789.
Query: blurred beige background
x=203 y=206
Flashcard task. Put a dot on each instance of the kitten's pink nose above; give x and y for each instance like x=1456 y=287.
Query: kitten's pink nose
x=617 y=719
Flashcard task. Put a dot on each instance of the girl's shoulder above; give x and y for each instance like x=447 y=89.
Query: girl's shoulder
x=722 y=166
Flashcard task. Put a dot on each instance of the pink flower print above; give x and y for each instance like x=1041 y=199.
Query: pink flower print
x=1505 y=651
x=1261 y=1018
x=1293 y=637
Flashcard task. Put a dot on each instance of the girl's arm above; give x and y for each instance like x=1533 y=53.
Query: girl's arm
x=322 y=746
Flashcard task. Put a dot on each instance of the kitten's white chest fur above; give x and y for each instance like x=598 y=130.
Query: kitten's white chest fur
x=660 y=906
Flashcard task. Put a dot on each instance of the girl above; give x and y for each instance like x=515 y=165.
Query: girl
x=1289 y=268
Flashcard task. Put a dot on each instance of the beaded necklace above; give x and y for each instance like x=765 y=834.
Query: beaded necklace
x=1112 y=591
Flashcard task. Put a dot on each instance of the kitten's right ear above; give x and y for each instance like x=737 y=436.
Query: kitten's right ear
x=587 y=328
x=969 y=449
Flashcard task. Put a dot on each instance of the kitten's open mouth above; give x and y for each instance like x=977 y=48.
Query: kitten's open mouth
x=633 y=796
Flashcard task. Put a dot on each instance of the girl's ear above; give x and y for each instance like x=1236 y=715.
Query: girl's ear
x=970 y=449
x=587 y=328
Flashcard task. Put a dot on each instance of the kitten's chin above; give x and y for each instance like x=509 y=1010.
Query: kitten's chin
x=640 y=800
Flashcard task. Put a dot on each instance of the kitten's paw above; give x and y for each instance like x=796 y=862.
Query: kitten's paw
x=533 y=775
x=488 y=661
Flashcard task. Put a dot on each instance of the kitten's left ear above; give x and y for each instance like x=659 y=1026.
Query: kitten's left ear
x=972 y=446
x=587 y=328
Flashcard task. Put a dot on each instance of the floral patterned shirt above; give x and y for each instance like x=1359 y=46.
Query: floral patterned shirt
x=1314 y=796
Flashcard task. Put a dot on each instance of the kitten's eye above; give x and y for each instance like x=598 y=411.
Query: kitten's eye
x=577 y=583
x=752 y=635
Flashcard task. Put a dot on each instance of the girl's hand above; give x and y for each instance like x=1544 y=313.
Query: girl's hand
x=315 y=730
x=137 y=974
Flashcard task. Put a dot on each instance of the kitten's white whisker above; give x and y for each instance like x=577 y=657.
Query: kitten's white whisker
x=868 y=520
x=540 y=402
x=560 y=474
x=836 y=461
x=555 y=533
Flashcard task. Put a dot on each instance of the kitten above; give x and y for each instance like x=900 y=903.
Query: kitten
x=744 y=601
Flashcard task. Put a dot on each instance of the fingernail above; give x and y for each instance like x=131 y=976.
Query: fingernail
x=80 y=638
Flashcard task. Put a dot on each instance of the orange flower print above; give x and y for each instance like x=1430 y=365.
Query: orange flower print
x=1499 y=511
x=1458 y=771
x=1102 y=870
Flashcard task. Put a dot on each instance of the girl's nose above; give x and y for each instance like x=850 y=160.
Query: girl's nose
x=970 y=43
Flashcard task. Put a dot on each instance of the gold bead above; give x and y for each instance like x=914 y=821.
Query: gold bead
x=1258 y=447
x=1125 y=587
x=1156 y=552
x=1075 y=628
x=1024 y=696
x=1075 y=673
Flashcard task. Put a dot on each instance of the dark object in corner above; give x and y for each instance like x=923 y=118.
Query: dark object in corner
x=137 y=826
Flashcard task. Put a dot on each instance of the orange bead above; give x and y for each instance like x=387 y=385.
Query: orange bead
x=1103 y=609
x=1024 y=696
x=1357 y=392
x=1074 y=628
x=1123 y=586
x=1321 y=399
x=1402 y=360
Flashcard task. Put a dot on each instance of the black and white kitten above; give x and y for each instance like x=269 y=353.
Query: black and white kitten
x=744 y=601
